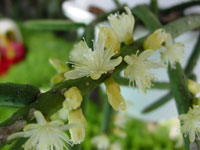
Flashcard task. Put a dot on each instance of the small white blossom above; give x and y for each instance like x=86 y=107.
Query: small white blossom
x=191 y=123
x=44 y=135
x=138 y=69
x=101 y=142
x=172 y=52
x=123 y=25
x=93 y=63
x=116 y=146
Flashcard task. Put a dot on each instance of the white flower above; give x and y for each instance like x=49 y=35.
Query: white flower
x=191 y=123
x=93 y=63
x=44 y=135
x=123 y=25
x=101 y=142
x=116 y=146
x=172 y=52
x=9 y=26
x=138 y=69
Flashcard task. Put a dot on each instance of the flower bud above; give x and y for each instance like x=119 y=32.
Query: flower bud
x=155 y=40
x=58 y=65
x=57 y=78
x=73 y=98
x=193 y=86
x=77 y=133
x=111 y=40
x=115 y=98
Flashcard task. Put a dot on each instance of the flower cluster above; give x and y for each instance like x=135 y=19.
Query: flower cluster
x=94 y=63
x=102 y=59
x=190 y=123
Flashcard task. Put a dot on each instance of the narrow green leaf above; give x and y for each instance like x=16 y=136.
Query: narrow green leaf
x=158 y=103
x=147 y=17
x=57 y=25
x=154 y=6
x=193 y=58
x=117 y=3
x=180 y=7
x=107 y=112
x=183 y=25
x=180 y=91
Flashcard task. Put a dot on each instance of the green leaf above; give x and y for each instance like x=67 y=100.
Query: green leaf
x=57 y=25
x=183 y=25
x=147 y=17
x=180 y=7
x=161 y=101
x=193 y=58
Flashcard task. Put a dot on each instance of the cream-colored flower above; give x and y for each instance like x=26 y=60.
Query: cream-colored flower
x=172 y=52
x=119 y=132
x=44 y=135
x=120 y=119
x=73 y=98
x=101 y=142
x=111 y=40
x=61 y=114
x=193 y=86
x=191 y=123
x=93 y=63
x=115 y=146
x=138 y=69
x=115 y=98
x=123 y=25
x=155 y=40
x=77 y=133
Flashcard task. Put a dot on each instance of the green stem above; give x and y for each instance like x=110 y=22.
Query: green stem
x=156 y=85
x=180 y=7
x=117 y=3
x=180 y=91
x=107 y=112
x=158 y=103
x=51 y=101
x=190 y=23
x=147 y=17
x=17 y=94
x=56 y=25
x=154 y=6
x=193 y=59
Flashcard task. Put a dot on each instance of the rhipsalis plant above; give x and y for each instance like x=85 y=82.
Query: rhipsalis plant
x=115 y=50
